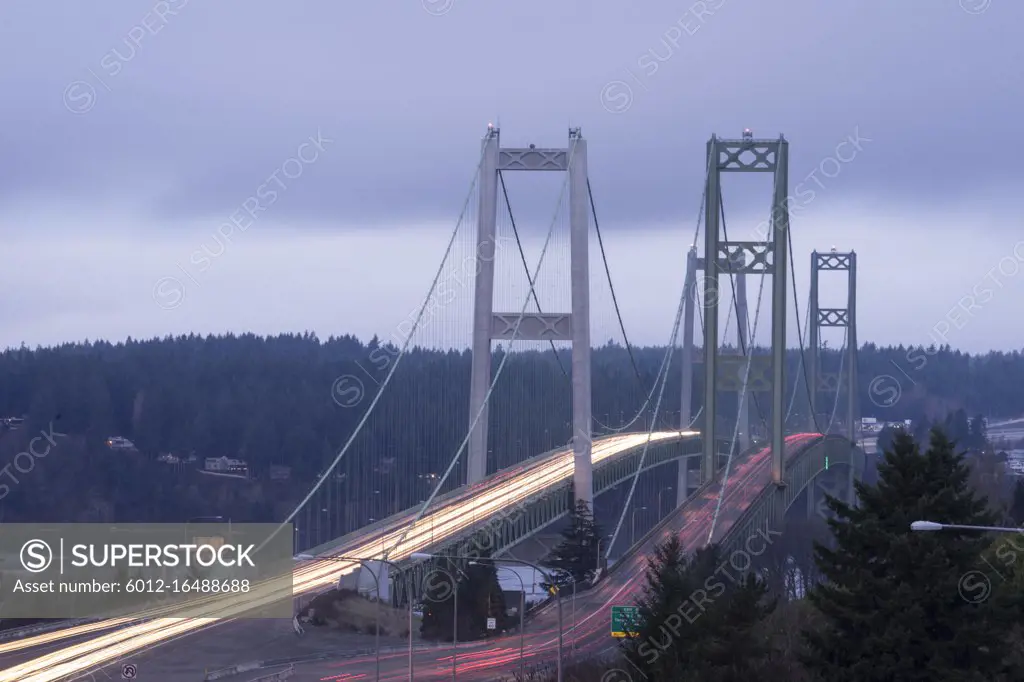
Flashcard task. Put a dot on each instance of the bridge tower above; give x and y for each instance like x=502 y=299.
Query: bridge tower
x=834 y=317
x=693 y=266
x=573 y=326
x=832 y=382
x=746 y=155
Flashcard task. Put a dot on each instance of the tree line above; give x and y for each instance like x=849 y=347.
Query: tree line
x=294 y=400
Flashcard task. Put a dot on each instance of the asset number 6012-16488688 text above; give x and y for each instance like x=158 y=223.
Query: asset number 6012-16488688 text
x=186 y=586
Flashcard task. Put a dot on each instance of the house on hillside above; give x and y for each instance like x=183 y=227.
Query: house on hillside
x=226 y=465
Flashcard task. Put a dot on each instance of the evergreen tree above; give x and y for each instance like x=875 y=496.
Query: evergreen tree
x=892 y=600
x=480 y=598
x=438 y=605
x=576 y=556
x=977 y=436
x=714 y=638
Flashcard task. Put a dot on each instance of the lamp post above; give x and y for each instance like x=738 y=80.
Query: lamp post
x=660 y=506
x=522 y=617
x=632 y=526
x=376 y=580
x=597 y=563
x=926 y=526
x=535 y=567
x=573 y=579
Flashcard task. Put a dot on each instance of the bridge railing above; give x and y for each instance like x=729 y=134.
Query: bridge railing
x=440 y=503
x=767 y=511
x=658 y=527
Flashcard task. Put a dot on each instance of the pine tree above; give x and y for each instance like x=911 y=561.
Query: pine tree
x=480 y=598
x=698 y=621
x=438 y=605
x=576 y=556
x=977 y=433
x=892 y=600
x=664 y=632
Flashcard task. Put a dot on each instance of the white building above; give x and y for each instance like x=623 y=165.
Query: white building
x=226 y=465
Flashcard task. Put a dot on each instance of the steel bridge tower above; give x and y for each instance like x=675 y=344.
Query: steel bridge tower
x=573 y=326
x=832 y=382
x=746 y=155
x=834 y=317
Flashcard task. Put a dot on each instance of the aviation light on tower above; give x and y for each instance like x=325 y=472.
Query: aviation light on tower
x=748 y=134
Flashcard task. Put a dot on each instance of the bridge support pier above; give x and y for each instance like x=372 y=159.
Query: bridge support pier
x=574 y=326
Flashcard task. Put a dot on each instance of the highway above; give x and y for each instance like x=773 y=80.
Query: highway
x=495 y=658
x=67 y=653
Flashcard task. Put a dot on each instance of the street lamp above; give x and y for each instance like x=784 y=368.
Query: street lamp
x=376 y=580
x=632 y=526
x=535 y=567
x=522 y=617
x=597 y=566
x=660 y=506
x=925 y=526
x=571 y=577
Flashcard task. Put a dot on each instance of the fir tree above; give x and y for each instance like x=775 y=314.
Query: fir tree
x=576 y=556
x=893 y=600
x=480 y=598
x=698 y=621
x=977 y=436
x=438 y=604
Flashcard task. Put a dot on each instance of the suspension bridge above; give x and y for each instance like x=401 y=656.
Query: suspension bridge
x=756 y=447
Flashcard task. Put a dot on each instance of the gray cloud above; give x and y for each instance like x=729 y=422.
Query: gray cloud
x=177 y=112
x=209 y=98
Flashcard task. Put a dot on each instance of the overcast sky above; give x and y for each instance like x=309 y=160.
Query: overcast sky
x=131 y=132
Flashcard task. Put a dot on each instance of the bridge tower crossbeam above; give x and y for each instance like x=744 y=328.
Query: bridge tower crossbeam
x=573 y=326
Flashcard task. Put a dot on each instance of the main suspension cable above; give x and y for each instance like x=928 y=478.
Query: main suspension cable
x=799 y=334
x=839 y=379
x=554 y=350
x=666 y=363
x=800 y=358
x=744 y=343
x=398 y=359
x=622 y=326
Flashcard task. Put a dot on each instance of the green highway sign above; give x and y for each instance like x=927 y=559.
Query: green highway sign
x=624 y=620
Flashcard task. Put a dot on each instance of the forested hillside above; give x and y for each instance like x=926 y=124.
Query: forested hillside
x=294 y=400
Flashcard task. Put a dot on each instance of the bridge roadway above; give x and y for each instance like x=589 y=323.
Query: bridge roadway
x=66 y=653
x=499 y=657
